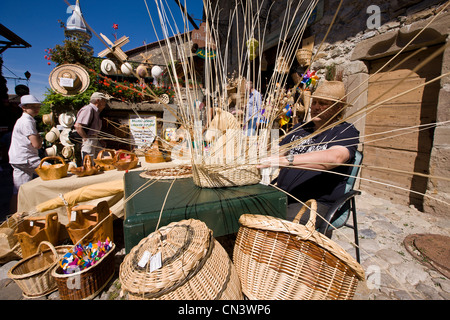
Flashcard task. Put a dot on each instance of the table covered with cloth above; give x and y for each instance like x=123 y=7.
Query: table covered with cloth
x=41 y=197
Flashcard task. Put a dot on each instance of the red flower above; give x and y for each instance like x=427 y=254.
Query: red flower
x=48 y=63
x=115 y=26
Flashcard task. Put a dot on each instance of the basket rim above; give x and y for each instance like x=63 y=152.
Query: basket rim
x=30 y=274
x=59 y=275
x=269 y=223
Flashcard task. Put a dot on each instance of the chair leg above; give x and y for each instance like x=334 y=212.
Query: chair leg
x=355 y=228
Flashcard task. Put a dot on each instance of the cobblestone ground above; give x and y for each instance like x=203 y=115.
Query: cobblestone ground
x=392 y=273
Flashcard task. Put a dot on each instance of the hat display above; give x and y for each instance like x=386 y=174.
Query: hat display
x=28 y=99
x=108 y=67
x=52 y=151
x=67 y=120
x=52 y=135
x=142 y=71
x=69 y=79
x=64 y=138
x=331 y=90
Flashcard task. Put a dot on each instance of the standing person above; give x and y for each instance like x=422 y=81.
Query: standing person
x=89 y=124
x=313 y=150
x=253 y=112
x=25 y=144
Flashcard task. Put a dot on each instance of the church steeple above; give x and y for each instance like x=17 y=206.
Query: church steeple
x=76 y=27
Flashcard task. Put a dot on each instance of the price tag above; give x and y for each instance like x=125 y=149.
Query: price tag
x=31 y=223
x=144 y=259
x=66 y=82
x=155 y=262
x=73 y=216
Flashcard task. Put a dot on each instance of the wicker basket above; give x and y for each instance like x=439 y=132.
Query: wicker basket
x=219 y=176
x=194 y=266
x=33 y=274
x=282 y=65
x=105 y=159
x=303 y=57
x=87 y=169
x=85 y=284
x=33 y=230
x=9 y=243
x=91 y=224
x=279 y=259
x=125 y=164
x=53 y=171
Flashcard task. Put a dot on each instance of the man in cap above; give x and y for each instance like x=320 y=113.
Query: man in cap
x=312 y=151
x=25 y=144
x=89 y=124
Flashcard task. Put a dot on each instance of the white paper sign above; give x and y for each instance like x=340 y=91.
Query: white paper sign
x=145 y=257
x=66 y=82
x=155 y=262
x=143 y=130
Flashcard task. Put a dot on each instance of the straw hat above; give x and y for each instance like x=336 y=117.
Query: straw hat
x=331 y=90
x=52 y=135
x=67 y=120
x=69 y=79
x=67 y=152
x=64 y=138
x=52 y=151
x=108 y=67
x=28 y=99
x=48 y=119
x=126 y=68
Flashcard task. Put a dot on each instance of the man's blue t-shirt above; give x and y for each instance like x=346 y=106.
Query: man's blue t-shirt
x=324 y=187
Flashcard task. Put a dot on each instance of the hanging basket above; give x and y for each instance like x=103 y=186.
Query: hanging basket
x=90 y=223
x=303 y=57
x=279 y=259
x=105 y=159
x=33 y=274
x=88 y=283
x=219 y=176
x=194 y=266
x=281 y=65
x=33 y=230
x=53 y=171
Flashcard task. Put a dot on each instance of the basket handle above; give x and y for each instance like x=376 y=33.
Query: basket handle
x=110 y=151
x=48 y=244
x=51 y=158
x=312 y=205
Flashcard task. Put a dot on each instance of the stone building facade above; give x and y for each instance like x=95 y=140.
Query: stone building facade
x=364 y=37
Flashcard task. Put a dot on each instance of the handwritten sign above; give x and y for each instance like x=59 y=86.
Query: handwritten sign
x=143 y=130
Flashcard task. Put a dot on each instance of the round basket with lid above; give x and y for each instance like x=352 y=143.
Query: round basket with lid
x=193 y=265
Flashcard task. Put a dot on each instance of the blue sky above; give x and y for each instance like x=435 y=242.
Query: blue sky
x=37 y=23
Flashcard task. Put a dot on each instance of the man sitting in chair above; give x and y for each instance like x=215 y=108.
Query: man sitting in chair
x=312 y=149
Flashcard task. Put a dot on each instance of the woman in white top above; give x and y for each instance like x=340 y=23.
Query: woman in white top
x=25 y=143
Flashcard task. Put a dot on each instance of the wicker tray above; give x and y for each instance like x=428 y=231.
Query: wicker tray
x=125 y=164
x=88 y=283
x=306 y=264
x=33 y=274
x=105 y=159
x=193 y=266
x=219 y=176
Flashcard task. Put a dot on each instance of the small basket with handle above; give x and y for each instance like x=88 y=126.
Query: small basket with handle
x=52 y=171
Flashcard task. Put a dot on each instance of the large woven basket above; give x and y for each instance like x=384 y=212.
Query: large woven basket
x=219 y=176
x=279 y=259
x=52 y=171
x=194 y=266
x=33 y=274
x=88 y=283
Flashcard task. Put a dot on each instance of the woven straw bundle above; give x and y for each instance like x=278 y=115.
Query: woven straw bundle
x=194 y=266
x=279 y=259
